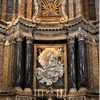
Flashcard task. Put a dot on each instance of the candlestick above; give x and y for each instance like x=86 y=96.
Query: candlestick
x=61 y=92
x=42 y=92
x=35 y=92
x=57 y=92
x=38 y=92
x=65 y=93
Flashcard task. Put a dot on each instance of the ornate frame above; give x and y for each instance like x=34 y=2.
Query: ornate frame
x=65 y=65
x=62 y=19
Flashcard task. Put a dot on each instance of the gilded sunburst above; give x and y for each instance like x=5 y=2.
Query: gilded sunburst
x=50 y=7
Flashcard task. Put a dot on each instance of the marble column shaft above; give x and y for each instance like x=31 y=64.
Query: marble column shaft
x=18 y=78
x=29 y=64
x=81 y=62
x=71 y=64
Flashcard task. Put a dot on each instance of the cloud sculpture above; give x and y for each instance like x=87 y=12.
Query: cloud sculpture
x=52 y=68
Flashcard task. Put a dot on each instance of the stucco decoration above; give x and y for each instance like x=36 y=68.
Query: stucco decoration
x=52 y=68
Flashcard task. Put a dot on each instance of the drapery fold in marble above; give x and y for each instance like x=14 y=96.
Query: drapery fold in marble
x=51 y=68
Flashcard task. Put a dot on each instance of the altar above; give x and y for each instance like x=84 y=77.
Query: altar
x=48 y=51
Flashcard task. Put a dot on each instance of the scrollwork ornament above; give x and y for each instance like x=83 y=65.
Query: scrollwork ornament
x=35 y=19
x=65 y=17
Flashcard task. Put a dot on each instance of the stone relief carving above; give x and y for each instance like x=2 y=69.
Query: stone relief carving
x=52 y=68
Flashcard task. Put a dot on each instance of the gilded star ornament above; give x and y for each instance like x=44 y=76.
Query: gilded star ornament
x=50 y=7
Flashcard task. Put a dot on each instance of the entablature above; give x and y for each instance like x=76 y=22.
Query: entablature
x=50 y=31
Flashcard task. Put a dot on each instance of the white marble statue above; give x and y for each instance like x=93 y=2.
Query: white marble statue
x=51 y=70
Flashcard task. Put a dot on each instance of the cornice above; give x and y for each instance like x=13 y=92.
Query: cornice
x=52 y=29
x=82 y=23
x=71 y=25
x=11 y=28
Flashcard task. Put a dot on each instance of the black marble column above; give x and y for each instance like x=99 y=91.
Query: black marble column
x=29 y=63
x=81 y=62
x=18 y=77
x=71 y=64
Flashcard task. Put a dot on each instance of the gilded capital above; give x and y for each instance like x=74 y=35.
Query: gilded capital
x=71 y=39
x=80 y=37
x=29 y=40
x=19 y=38
x=12 y=40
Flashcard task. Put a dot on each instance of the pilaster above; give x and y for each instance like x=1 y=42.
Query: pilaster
x=29 y=9
x=78 y=7
x=5 y=66
x=71 y=9
x=4 y=7
x=21 y=8
x=95 y=64
x=2 y=42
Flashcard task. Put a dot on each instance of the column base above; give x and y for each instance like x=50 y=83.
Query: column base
x=18 y=90
x=73 y=90
x=27 y=91
x=83 y=89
